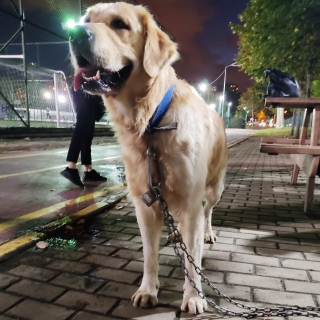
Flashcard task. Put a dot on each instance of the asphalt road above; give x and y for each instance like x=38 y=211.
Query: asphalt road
x=33 y=192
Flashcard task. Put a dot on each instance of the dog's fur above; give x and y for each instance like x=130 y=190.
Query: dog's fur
x=192 y=158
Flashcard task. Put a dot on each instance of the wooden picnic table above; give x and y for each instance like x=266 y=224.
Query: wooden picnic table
x=304 y=153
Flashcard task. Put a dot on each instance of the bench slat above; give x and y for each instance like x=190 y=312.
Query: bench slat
x=292 y=102
x=282 y=140
x=289 y=149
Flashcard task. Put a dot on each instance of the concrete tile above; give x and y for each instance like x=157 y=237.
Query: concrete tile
x=33 y=273
x=255 y=259
x=85 y=316
x=6 y=279
x=106 y=261
x=7 y=300
x=35 y=310
x=35 y=289
x=71 y=266
x=91 y=302
x=281 y=273
x=156 y=313
x=115 y=275
x=73 y=281
x=283 y=298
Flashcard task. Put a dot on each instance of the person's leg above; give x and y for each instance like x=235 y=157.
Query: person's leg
x=89 y=173
x=86 y=159
x=71 y=172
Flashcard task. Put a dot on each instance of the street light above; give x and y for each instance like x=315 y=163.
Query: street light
x=203 y=87
x=228 y=114
x=234 y=64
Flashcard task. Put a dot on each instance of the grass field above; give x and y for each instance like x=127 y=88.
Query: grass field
x=274 y=132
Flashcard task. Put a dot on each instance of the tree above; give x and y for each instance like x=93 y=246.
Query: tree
x=261 y=116
x=316 y=88
x=282 y=34
x=252 y=101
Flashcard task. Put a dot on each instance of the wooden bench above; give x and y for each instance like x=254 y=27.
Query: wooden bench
x=304 y=153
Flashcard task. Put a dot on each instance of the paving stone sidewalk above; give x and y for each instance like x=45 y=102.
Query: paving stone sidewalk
x=267 y=253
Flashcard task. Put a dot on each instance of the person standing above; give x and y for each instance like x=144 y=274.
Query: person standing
x=89 y=109
x=48 y=113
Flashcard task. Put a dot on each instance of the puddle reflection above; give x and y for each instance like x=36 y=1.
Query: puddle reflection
x=115 y=172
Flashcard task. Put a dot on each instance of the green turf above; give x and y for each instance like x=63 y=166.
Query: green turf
x=275 y=132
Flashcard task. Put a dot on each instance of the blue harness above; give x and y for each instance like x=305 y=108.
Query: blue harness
x=160 y=112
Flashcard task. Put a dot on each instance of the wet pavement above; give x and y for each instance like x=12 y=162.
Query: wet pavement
x=267 y=254
x=32 y=191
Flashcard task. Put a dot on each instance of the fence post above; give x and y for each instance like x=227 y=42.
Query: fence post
x=56 y=98
x=22 y=25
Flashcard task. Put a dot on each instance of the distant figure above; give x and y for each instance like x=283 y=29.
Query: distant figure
x=48 y=113
x=89 y=109
x=271 y=122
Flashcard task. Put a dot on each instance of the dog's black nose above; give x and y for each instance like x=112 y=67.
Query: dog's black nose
x=80 y=34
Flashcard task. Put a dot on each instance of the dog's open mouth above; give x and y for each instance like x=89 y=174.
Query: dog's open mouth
x=94 y=79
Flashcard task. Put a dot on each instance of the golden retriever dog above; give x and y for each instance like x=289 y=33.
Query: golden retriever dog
x=120 y=53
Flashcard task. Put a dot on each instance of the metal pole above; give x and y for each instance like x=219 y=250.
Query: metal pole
x=38 y=57
x=224 y=91
x=80 y=7
x=56 y=98
x=22 y=26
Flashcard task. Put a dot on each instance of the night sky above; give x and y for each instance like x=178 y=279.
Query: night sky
x=200 y=27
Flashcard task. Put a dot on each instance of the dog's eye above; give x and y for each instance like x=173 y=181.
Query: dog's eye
x=119 y=24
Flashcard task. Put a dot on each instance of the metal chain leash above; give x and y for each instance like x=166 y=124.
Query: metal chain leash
x=175 y=237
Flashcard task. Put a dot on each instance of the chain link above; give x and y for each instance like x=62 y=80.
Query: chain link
x=253 y=312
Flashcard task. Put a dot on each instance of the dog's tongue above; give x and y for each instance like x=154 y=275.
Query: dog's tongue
x=78 y=79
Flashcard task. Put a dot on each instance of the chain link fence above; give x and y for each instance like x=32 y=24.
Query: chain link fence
x=35 y=69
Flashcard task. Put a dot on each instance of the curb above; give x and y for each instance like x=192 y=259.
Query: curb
x=14 y=246
x=235 y=142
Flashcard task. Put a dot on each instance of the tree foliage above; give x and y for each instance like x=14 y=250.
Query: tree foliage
x=316 y=88
x=252 y=101
x=282 y=34
x=261 y=116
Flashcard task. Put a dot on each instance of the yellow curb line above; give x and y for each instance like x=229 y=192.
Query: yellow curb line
x=19 y=243
x=39 y=213
x=13 y=246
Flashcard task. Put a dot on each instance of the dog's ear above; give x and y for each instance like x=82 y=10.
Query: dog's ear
x=159 y=49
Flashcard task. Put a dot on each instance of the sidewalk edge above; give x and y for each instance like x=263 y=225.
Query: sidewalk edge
x=17 y=245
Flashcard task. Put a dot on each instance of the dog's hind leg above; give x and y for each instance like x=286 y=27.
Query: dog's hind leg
x=213 y=195
x=191 y=224
x=150 y=223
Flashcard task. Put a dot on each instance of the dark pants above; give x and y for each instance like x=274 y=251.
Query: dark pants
x=87 y=108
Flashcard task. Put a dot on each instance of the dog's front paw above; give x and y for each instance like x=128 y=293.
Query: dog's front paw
x=209 y=237
x=194 y=305
x=143 y=299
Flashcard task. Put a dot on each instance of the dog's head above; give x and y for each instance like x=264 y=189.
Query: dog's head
x=113 y=42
